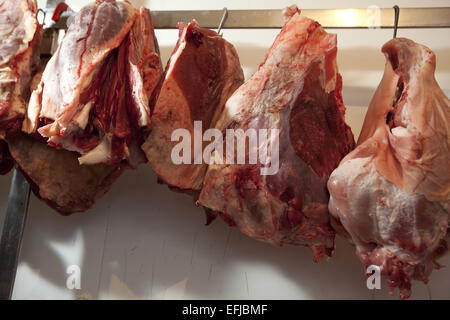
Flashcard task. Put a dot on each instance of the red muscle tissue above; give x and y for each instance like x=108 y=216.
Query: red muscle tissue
x=391 y=195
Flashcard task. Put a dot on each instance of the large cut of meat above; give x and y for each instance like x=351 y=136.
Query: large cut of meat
x=116 y=75
x=20 y=35
x=297 y=90
x=202 y=73
x=94 y=93
x=392 y=193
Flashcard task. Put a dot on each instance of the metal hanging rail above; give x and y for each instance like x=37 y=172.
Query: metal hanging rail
x=438 y=17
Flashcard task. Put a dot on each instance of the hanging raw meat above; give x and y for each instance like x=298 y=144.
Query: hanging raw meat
x=94 y=93
x=392 y=193
x=202 y=73
x=55 y=175
x=20 y=35
x=6 y=161
x=119 y=67
x=297 y=90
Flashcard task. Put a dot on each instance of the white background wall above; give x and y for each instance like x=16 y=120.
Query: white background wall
x=143 y=241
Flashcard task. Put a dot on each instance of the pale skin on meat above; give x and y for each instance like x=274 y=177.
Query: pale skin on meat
x=19 y=56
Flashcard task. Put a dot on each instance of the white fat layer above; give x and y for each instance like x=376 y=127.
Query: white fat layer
x=28 y=24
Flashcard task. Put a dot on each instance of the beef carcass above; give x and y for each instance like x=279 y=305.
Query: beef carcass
x=202 y=73
x=20 y=35
x=119 y=67
x=93 y=96
x=391 y=194
x=55 y=175
x=57 y=178
x=297 y=90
